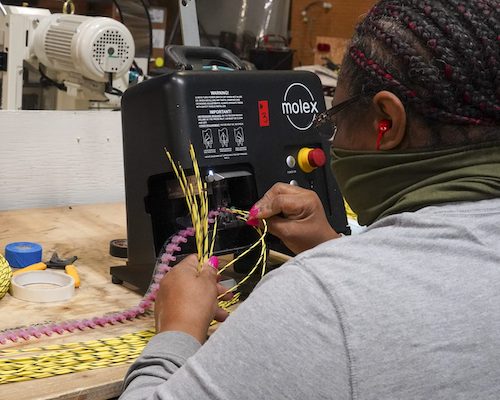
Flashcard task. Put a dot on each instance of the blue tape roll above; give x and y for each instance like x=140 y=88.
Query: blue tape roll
x=22 y=254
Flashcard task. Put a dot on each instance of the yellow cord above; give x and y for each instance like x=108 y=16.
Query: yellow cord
x=5 y=276
x=16 y=365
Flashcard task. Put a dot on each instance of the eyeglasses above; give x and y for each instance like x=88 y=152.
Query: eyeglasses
x=324 y=122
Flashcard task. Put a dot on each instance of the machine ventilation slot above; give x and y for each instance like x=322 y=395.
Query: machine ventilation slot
x=105 y=41
x=58 y=46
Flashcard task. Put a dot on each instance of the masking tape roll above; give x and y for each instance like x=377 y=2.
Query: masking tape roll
x=5 y=276
x=42 y=286
x=22 y=254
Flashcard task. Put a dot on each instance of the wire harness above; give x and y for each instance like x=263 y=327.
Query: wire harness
x=51 y=360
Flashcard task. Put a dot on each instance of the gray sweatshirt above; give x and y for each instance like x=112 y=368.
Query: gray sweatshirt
x=408 y=309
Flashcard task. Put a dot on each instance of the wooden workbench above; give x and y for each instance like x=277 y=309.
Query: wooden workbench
x=84 y=231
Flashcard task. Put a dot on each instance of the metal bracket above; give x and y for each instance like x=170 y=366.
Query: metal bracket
x=189 y=23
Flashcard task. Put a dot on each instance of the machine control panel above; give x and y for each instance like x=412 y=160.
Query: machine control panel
x=249 y=129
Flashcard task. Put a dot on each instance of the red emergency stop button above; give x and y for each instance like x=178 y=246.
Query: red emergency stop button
x=316 y=158
x=310 y=159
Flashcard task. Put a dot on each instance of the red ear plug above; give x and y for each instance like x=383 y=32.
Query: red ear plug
x=383 y=126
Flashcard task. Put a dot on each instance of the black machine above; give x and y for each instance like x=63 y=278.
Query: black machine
x=250 y=129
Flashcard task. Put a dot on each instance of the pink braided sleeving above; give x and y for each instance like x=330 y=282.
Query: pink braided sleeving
x=161 y=268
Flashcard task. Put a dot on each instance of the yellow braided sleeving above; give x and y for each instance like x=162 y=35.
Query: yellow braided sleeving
x=72 y=357
x=17 y=365
x=198 y=209
x=212 y=245
x=202 y=192
x=5 y=276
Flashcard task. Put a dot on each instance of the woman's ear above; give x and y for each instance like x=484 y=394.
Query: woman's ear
x=389 y=107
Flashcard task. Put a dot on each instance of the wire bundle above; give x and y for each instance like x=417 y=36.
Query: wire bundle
x=72 y=357
x=197 y=203
x=76 y=357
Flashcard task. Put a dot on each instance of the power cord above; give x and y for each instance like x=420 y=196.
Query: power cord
x=110 y=89
x=46 y=81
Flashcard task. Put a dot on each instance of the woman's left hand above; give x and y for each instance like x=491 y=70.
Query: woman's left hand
x=187 y=299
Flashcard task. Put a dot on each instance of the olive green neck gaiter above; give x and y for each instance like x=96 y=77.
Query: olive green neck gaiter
x=377 y=184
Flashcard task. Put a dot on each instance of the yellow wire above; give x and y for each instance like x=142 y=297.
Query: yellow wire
x=212 y=245
x=261 y=241
x=19 y=365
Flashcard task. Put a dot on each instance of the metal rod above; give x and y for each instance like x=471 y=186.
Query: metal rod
x=2 y=8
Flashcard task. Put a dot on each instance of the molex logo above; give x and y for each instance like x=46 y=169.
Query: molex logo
x=299 y=106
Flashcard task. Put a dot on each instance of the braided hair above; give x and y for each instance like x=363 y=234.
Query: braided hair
x=440 y=57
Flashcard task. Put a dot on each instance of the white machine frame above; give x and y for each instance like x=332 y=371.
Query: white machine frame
x=15 y=39
x=84 y=56
x=17 y=25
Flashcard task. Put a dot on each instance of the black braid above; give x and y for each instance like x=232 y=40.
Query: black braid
x=486 y=27
x=441 y=57
x=420 y=71
x=470 y=76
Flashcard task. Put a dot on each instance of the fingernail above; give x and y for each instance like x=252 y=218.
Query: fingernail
x=253 y=221
x=254 y=211
x=252 y=216
x=214 y=262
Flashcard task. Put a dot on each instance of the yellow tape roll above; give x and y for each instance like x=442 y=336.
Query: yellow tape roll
x=5 y=276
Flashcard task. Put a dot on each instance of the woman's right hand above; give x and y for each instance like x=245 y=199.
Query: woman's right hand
x=296 y=216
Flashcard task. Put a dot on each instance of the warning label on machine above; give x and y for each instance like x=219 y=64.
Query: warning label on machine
x=220 y=120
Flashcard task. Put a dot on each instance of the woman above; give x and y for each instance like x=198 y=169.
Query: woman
x=407 y=309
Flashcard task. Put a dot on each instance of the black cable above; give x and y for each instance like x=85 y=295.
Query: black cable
x=138 y=69
x=115 y=2
x=150 y=26
x=110 y=89
x=174 y=28
x=49 y=81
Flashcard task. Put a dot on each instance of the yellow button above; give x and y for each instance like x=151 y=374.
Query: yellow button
x=309 y=159
x=303 y=161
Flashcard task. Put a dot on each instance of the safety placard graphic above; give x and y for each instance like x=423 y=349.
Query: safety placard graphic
x=220 y=120
x=263 y=113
